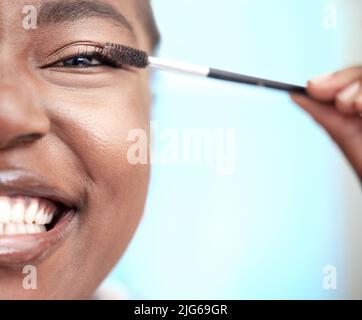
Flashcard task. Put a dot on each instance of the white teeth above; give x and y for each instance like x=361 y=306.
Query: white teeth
x=31 y=211
x=31 y=228
x=41 y=217
x=18 y=212
x=20 y=228
x=24 y=215
x=5 y=210
x=50 y=217
x=38 y=228
x=10 y=228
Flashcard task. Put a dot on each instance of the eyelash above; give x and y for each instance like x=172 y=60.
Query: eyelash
x=95 y=53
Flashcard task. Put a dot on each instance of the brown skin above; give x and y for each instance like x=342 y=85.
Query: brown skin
x=341 y=118
x=82 y=122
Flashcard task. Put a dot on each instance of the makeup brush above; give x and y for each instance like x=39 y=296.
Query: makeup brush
x=140 y=59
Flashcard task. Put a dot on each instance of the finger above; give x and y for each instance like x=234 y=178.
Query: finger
x=345 y=101
x=339 y=126
x=358 y=103
x=326 y=87
x=345 y=130
x=324 y=114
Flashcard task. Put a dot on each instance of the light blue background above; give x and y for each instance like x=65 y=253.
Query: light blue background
x=267 y=231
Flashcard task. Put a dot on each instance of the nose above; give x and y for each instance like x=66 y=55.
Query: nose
x=21 y=118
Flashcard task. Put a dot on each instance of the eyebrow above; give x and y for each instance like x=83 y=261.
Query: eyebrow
x=66 y=11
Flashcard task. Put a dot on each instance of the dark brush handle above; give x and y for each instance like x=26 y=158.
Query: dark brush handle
x=240 y=78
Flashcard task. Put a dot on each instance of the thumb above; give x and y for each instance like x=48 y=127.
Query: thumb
x=326 y=87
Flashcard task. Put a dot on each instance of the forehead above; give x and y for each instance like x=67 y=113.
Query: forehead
x=123 y=14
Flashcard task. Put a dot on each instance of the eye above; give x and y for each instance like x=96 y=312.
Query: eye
x=81 y=61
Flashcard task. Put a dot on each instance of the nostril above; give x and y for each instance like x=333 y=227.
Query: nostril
x=22 y=139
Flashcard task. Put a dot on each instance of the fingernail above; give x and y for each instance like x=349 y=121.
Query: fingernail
x=348 y=93
x=322 y=78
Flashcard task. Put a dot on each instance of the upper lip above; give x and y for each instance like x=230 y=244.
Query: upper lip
x=24 y=183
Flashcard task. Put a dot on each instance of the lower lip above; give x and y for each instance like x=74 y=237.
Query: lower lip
x=18 y=250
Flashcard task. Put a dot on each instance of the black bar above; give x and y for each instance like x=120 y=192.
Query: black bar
x=188 y=309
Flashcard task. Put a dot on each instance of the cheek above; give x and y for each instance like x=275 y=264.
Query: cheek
x=94 y=127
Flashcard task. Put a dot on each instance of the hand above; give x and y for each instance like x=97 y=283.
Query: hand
x=335 y=102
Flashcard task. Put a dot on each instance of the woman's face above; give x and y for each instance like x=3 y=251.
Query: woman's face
x=63 y=142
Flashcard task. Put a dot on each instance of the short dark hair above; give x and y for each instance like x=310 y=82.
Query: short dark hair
x=148 y=19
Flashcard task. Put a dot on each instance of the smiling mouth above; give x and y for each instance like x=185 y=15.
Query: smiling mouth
x=34 y=218
x=28 y=215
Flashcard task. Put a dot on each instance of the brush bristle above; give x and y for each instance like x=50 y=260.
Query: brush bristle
x=125 y=55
